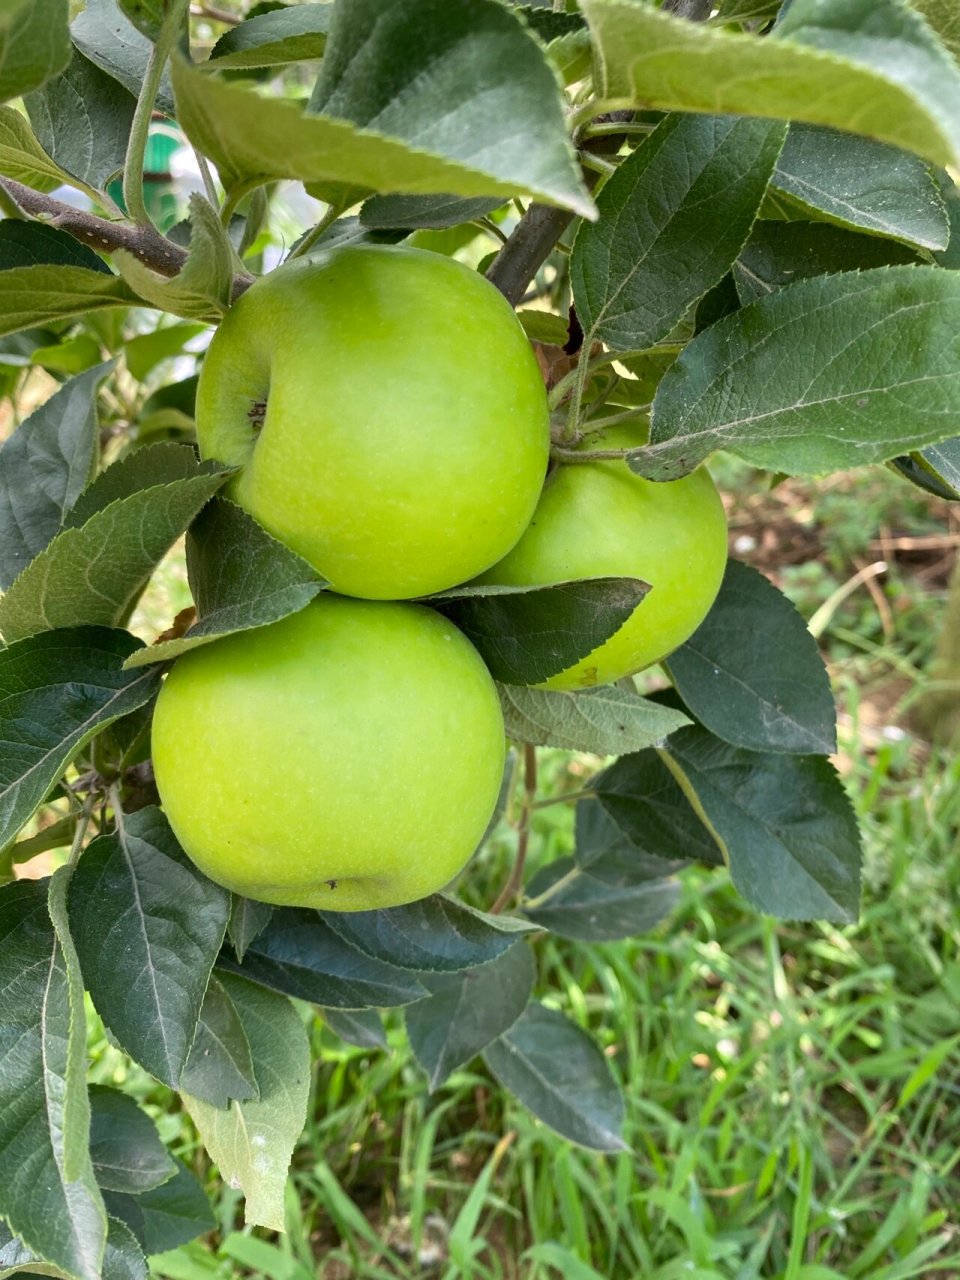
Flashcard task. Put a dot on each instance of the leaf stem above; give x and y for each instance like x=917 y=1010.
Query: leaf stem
x=515 y=879
x=310 y=238
x=146 y=99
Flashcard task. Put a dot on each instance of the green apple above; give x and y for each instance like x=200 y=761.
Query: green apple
x=597 y=518
x=347 y=757
x=387 y=413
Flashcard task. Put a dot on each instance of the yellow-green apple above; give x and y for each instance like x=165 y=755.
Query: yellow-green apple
x=346 y=757
x=597 y=518
x=387 y=413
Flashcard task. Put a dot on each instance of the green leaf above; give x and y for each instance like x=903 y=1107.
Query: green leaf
x=48 y=1194
x=44 y=465
x=362 y=1027
x=156 y=464
x=29 y=244
x=144 y=352
x=781 y=253
x=607 y=721
x=147 y=921
x=527 y=635
x=21 y=156
x=752 y=673
x=125 y=1147
x=944 y=17
x=219 y=1066
x=34 y=44
x=834 y=372
x=293 y=34
x=104 y=35
x=673 y=218
x=58 y=690
x=785 y=824
x=252 y=1142
x=465 y=1012
x=252 y=139
x=862 y=184
x=572 y=902
x=82 y=119
x=435 y=212
x=435 y=935
x=146 y=15
x=647 y=805
x=950 y=194
x=94 y=574
x=37 y=295
x=558 y=1073
x=298 y=954
x=202 y=288
x=75 y=355
x=248 y=918
x=122 y=1257
x=168 y=1216
x=936 y=469
x=865 y=66
x=241 y=577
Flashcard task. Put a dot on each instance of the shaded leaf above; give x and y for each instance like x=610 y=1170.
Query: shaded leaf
x=607 y=721
x=862 y=184
x=298 y=954
x=122 y=1257
x=56 y=691
x=34 y=44
x=169 y=1215
x=148 y=926
x=362 y=1027
x=144 y=352
x=156 y=464
x=44 y=466
x=435 y=935
x=241 y=578
x=786 y=826
x=866 y=66
x=252 y=1142
x=292 y=34
x=21 y=156
x=572 y=902
x=48 y=1194
x=125 y=1147
x=833 y=372
x=30 y=244
x=219 y=1066
x=466 y=1011
x=558 y=1073
x=248 y=918
x=752 y=673
x=526 y=635
x=104 y=35
x=39 y=294
x=82 y=119
x=935 y=469
x=385 y=212
x=94 y=574
x=673 y=218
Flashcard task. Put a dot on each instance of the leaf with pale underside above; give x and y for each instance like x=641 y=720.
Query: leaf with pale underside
x=107 y=37
x=34 y=44
x=21 y=156
x=607 y=721
x=38 y=295
x=292 y=34
x=834 y=372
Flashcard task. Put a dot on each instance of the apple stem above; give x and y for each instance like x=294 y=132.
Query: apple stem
x=515 y=879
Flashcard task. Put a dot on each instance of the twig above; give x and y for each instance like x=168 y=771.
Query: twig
x=515 y=879
x=527 y=250
x=215 y=15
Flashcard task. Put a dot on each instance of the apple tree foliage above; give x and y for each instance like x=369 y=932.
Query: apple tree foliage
x=739 y=216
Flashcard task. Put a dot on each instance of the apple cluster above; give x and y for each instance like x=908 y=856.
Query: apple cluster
x=388 y=422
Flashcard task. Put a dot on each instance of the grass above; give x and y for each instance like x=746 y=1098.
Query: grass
x=793 y=1090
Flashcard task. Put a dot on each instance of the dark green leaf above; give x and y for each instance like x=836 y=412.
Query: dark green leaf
x=752 y=672
x=95 y=573
x=248 y=918
x=833 y=372
x=936 y=469
x=31 y=244
x=435 y=935
x=37 y=295
x=748 y=10
x=950 y=194
x=144 y=352
x=104 y=35
x=466 y=1011
x=558 y=1073
x=82 y=118
x=252 y=1142
x=362 y=1027
x=607 y=721
x=241 y=577
x=603 y=849
x=298 y=954
x=44 y=466
x=146 y=15
x=156 y=464
x=868 y=66
x=527 y=635
x=34 y=44
x=168 y=1216
x=384 y=212
x=292 y=34
x=672 y=220
x=645 y=801
x=122 y=1259
x=125 y=1148
x=781 y=253
x=572 y=902
x=219 y=1066
x=862 y=184
x=148 y=927
x=786 y=826
x=48 y=1194
x=56 y=691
